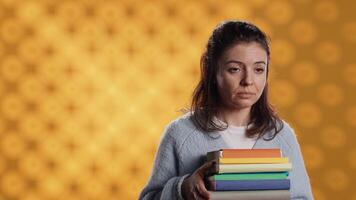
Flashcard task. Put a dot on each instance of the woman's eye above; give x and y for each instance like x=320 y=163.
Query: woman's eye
x=260 y=70
x=234 y=69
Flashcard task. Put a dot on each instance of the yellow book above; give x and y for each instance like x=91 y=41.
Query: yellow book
x=251 y=168
x=252 y=160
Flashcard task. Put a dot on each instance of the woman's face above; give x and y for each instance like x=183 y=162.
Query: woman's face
x=242 y=75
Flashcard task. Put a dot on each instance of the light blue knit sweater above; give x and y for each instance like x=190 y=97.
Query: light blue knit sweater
x=183 y=149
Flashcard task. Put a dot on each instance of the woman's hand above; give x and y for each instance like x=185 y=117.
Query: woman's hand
x=193 y=186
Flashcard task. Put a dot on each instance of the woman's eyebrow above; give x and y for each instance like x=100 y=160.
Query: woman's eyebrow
x=261 y=62
x=234 y=61
x=241 y=63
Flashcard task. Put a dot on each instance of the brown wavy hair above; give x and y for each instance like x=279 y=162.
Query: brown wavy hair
x=206 y=100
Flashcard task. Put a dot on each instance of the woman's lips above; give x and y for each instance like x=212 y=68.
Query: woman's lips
x=245 y=95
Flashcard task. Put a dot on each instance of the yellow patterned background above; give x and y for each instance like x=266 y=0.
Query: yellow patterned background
x=87 y=87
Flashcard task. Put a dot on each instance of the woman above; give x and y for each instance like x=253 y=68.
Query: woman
x=230 y=109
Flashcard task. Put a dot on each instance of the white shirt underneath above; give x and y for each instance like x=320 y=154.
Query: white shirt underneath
x=235 y=138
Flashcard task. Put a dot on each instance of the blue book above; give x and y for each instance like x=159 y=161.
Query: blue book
x=239 y=185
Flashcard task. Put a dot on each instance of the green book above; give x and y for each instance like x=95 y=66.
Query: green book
x=250 y=176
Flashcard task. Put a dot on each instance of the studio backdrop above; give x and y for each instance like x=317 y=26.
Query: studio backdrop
x=87 y=88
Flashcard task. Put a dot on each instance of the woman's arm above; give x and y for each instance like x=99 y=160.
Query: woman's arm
x=300 y=183
x=164 y=182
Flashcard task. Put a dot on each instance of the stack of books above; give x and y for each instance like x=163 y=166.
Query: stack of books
x=249 y=174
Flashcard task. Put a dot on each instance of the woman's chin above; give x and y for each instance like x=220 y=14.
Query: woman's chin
x=242 y=105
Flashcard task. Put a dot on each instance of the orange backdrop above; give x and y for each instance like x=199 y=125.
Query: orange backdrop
x=86 y=88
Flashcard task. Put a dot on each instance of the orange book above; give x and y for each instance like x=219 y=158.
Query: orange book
x=244 y=153
x=251 y=153
x=253 y=160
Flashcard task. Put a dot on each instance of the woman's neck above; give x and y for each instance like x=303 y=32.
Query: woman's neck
x=236 y=117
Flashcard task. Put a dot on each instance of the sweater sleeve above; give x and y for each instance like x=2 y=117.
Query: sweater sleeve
x=164 y=182
x=300 y=183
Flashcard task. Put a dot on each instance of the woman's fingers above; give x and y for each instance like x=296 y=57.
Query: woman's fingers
x=206 y=167
x=196 y=195
x=193 y=187
x=199 y=181
x=203 y=192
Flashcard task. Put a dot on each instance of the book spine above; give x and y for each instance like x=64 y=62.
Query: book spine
x=251 y=195
x=213 y=155
x=251 y=153
x=250 y=168
x=252 y=160
x=283 y=184
x=251 y=176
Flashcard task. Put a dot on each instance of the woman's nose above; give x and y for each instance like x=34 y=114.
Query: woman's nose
x=247 y=78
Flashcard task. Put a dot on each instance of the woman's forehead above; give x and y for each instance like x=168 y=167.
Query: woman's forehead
x=251 y=51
